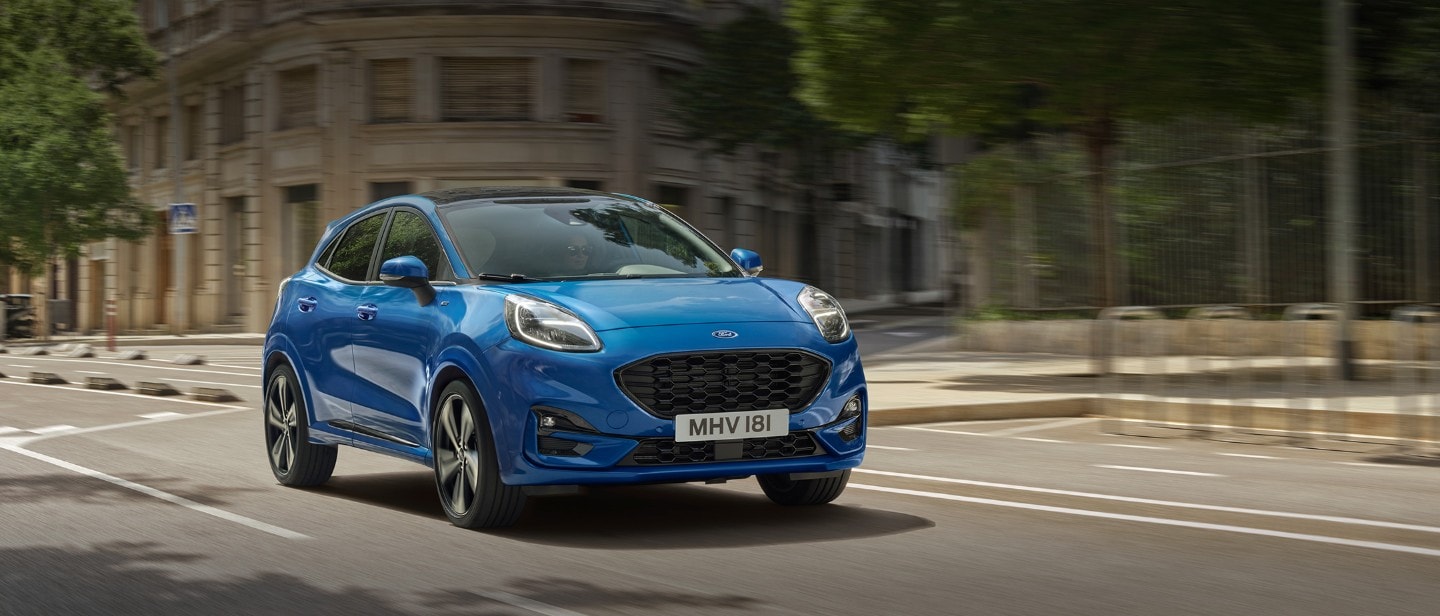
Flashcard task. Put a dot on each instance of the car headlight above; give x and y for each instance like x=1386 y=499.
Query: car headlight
x=544 y=324
x=826 y=312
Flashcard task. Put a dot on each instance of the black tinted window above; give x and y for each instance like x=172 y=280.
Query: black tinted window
x=411 y=235
x=351 y=259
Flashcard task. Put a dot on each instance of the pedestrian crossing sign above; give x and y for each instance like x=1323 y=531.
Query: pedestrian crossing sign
x=182 y=219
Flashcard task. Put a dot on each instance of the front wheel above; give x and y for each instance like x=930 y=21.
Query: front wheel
x=786 y=491
x=467 y=473
x=294 y=459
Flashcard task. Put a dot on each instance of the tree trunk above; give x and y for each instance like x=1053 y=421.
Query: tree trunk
x=1099 y=136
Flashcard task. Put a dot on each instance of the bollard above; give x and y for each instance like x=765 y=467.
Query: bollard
x=1410 y=376
x=1297 y=379
x=1212 y=345
x=1113 y=335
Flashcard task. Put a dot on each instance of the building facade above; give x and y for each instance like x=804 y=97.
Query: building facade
x=284 y=114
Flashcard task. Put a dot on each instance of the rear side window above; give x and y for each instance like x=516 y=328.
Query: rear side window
x=351 y=259
x=411 y=235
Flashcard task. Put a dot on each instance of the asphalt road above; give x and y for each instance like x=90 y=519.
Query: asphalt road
x=117 y=503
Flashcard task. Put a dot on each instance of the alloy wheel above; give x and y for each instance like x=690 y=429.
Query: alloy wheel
x=281 y=424
x=456 y=458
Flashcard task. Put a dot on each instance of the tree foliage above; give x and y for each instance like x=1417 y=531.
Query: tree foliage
x=62 y=178
x=985 y=67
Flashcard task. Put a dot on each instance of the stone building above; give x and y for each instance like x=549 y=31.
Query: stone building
x=292 y=113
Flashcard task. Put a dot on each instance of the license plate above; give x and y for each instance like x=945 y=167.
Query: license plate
x=724 y=426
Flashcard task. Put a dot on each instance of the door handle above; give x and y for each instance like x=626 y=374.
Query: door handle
x=366 y=312
x=307 y=304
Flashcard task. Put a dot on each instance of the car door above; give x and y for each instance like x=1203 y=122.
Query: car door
x=323 y=323
x=394 y=347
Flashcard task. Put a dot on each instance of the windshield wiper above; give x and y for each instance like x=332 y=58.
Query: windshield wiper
x=504 y=277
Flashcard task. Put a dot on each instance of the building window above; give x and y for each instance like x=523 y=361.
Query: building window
x=302 y=224
x=391 y=90
x=673 y=198
x=584 y=90
x=662 y=100
x=161 y=151
x=385 y=190
x=586 y=184
x=297 y=98
x=132 y=148
x=485 y=89
x=194 y=132
x=232 y=115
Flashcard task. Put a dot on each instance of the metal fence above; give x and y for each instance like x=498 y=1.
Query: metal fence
x=1207 y=212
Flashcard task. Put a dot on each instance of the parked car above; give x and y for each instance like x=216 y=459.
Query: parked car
x=529 y=340
x=19 y=315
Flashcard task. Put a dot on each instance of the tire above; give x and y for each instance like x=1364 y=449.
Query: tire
x=294 y=460
x=467 y=473
x=803 y=492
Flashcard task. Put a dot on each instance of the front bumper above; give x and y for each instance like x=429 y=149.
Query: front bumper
x=620 y=442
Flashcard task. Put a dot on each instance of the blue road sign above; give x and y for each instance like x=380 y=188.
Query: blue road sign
x=182 y=219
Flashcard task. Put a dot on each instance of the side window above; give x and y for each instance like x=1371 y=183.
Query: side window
x=351 y=259
x=411 y=235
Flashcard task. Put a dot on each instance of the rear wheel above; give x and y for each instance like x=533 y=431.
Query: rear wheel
x=293 y=458
x=786 y=491
x=467 y=474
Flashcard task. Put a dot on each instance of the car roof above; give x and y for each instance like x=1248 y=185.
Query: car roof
x=454 y=195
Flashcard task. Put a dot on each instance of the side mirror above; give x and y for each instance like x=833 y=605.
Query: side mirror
x=410 y=273
x=748 y=260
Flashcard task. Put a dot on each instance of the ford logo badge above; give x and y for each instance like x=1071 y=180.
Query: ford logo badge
x=724 y=334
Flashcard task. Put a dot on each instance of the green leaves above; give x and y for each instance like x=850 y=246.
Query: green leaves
x=62 y=178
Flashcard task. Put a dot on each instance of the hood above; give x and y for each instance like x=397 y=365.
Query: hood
x=618 y=304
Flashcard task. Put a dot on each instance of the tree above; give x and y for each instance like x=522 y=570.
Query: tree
x=743 y=93
x=979 y=67
x=62 y=178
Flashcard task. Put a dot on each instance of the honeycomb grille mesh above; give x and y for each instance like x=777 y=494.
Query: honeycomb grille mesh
x=670 y=385
x=666 y=451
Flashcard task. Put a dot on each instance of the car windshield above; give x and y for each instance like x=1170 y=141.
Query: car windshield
x=579 y=237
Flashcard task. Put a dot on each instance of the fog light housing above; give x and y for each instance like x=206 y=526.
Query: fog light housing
x=551 y=419
x=851 y=408
x=850 y=432
x=851 y=411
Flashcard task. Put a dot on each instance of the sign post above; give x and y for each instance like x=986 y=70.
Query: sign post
x=110 y=324
x=183 y=221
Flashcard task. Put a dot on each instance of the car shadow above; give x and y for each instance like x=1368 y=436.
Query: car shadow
x=649 y=517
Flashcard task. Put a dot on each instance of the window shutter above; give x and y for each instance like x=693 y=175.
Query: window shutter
x=584 y=90
x=391 y=98
x=297 y=98
x=485 y=89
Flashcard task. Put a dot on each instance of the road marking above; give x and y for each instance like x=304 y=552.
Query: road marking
x=161 y=414
x=1155 y=470
x=216 y=383
x=1151 y=501
x=942 y=431
x=1038 y=440
x=53 y=429
x=1134 y=446
x=1369 y=464
x=146 y=365
x=526 y=604
x=90 y=372
x=239 y=367
x=1045 y=426
x=120 y=393
x=165 y=496
x=10 y=430
x=869 y=446
x=1250 y=455
x=1391 y=547
x=20 y=366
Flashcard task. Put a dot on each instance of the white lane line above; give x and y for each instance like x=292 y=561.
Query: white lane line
x=1391 y=547
x=1045 y=426
x=1133 y=446
x=10 y=430
x=942 y=431
x=1155 y=470
x=165 y=496
x=239 y=367
x=20 y=366
x=1250 y=455
x=161 y=415
x=224 y=410
x=1151 y=501
x=90 y=372
x=53 y=429
x=526 y=604
x=869 y=446
x=1038 y=440
x=1368 y=464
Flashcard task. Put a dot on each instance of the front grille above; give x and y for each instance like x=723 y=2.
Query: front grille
x=667 y=451
x=669 y=385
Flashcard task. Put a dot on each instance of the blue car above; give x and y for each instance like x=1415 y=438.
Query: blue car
x=525 y=341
